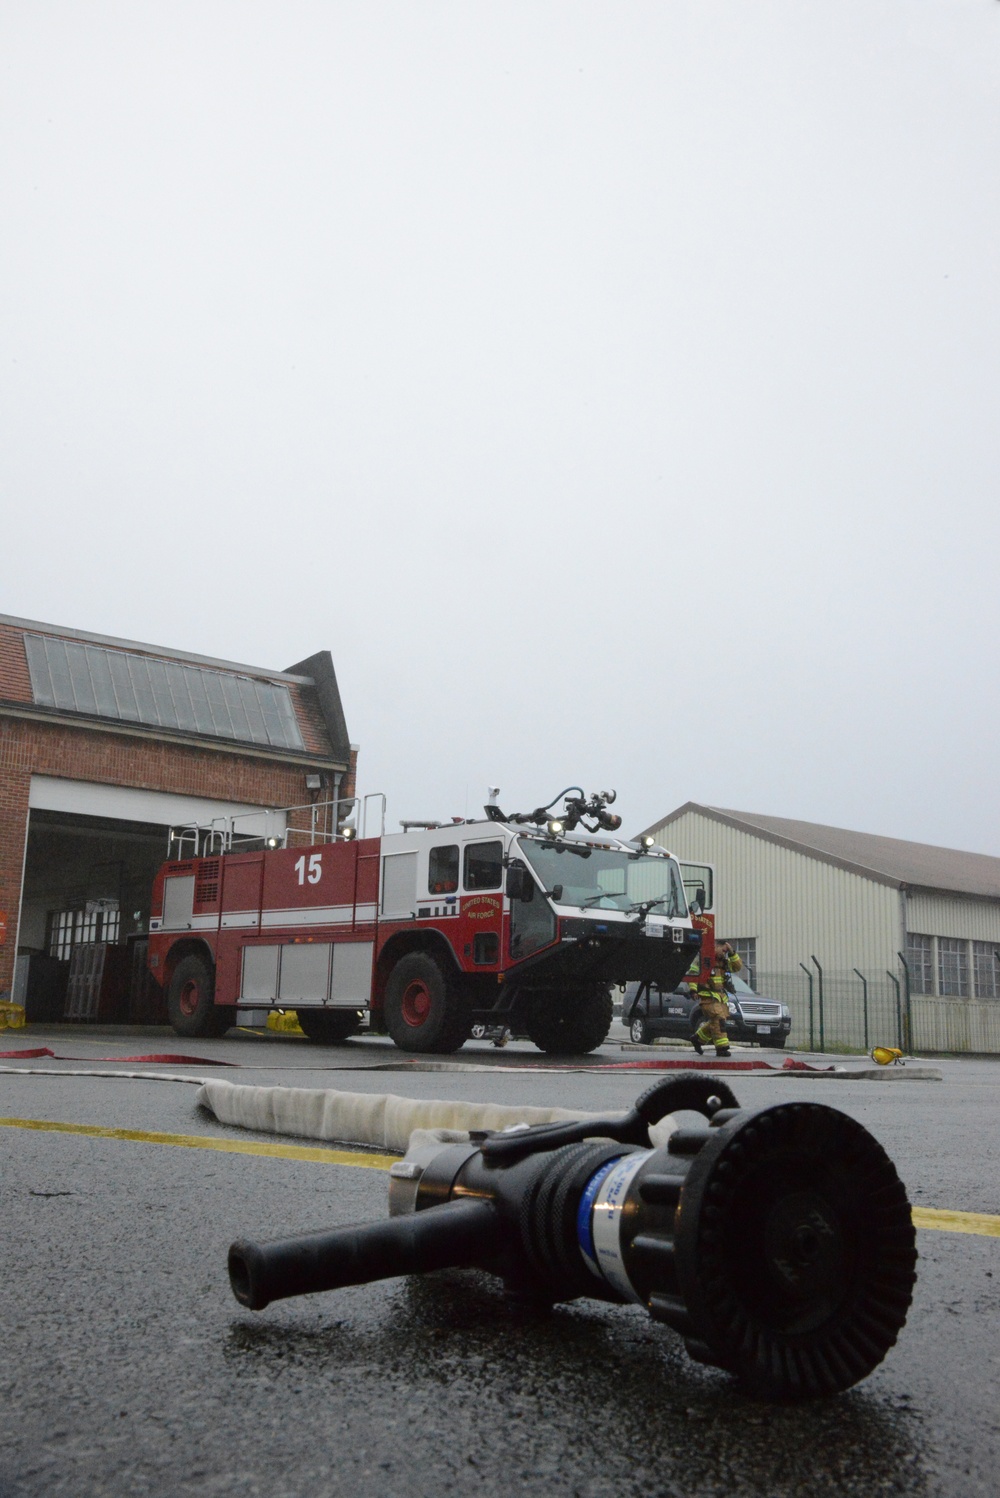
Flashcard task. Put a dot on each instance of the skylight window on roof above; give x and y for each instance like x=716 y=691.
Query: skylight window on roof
x=104 y=683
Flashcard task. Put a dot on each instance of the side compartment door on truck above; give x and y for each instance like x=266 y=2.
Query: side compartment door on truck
x=178 y=902
x=353 y=960
x=239 y=918
x=482 y=903
x=399 y=885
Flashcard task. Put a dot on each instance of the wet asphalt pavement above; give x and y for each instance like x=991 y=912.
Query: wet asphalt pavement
x=128 y=1368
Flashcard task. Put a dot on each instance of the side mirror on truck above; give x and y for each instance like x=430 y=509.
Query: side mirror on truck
x=520 y=885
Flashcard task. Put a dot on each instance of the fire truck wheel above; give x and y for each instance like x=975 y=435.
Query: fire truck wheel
x=191 y=1006
x=421 y=1010
x=571 y=1023
x=325 y=1028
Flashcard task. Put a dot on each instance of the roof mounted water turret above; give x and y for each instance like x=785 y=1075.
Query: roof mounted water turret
x=577 y=809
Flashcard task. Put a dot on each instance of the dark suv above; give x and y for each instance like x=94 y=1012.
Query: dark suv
x=651 y=1012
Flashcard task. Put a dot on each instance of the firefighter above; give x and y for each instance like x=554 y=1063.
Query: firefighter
x=713 y=1001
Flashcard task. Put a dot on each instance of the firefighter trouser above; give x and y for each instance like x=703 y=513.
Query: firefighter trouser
x=713 y=1026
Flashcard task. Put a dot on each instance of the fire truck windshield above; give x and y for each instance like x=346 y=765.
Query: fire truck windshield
x=605 y=878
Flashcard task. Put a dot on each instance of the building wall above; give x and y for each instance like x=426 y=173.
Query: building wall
x=794 y=906
x=947 y=1020
x=28 y=747
x=953 y=915
x=14 y=789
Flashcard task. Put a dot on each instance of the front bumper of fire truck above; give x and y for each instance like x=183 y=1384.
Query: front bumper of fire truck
x=594 y=949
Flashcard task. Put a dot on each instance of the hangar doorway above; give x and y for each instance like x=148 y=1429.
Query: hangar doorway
x=91 y=854
x=84 y=918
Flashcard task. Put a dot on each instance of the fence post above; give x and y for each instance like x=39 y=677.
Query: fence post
x=909 y=1005
x=810 y=977
x=899 y=1012
x=864 y=986
x=822 y=1035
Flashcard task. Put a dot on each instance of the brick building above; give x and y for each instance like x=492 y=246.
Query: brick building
x=105 y=744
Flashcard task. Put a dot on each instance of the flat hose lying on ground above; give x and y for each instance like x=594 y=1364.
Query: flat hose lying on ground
x=381 y=1119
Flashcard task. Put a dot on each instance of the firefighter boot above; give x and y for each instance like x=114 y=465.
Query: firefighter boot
x=696 y=1041
x=722 y=1051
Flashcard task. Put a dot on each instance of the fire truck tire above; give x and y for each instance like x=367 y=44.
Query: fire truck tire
x=571 y=1023
x=325 y=1028
x=191 y=1006
x=422 y=1011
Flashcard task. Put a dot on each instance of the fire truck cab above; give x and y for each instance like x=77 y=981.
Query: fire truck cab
x=428 y=931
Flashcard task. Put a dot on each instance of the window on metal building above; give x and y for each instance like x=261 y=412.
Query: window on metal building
x=920 y=960
x=986 y=965
x=953 y=967
x=746 y=949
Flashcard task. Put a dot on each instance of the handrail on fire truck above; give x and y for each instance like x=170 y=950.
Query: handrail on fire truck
x=328 y=822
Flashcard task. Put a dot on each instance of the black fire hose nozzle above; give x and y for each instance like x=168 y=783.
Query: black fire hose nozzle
x=456 y=1235
x=778 y=1242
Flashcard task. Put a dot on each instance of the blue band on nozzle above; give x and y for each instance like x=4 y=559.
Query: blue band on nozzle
x=584 y=1216
x=602 y=1233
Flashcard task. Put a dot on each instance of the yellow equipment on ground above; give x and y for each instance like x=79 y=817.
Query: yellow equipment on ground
x=285 y=1021
x=887 y=1055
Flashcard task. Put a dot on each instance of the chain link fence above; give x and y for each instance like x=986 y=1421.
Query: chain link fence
x=839 y=1011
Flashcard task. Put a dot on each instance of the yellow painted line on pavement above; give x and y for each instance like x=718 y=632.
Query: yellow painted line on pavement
x=206 y=1142
x=938 y=1219
x=982 y=1223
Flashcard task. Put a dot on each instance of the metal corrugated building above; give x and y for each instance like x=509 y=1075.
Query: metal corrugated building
x=881 y=930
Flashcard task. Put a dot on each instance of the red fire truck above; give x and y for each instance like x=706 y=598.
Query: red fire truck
x=523 y=921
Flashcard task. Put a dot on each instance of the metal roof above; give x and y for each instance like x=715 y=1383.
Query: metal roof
x=127 y=687
x=65 y=632
x=100 y=680
x=888 y=860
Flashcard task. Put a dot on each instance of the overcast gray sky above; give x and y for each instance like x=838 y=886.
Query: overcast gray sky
x=611 y=387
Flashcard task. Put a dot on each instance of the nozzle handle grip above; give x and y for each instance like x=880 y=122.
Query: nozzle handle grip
x=689 y=1090
x=457 y=1234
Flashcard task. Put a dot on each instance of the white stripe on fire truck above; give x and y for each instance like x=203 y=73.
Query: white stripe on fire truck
x=319 y=915
x=313 y=915
x=205 y=922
